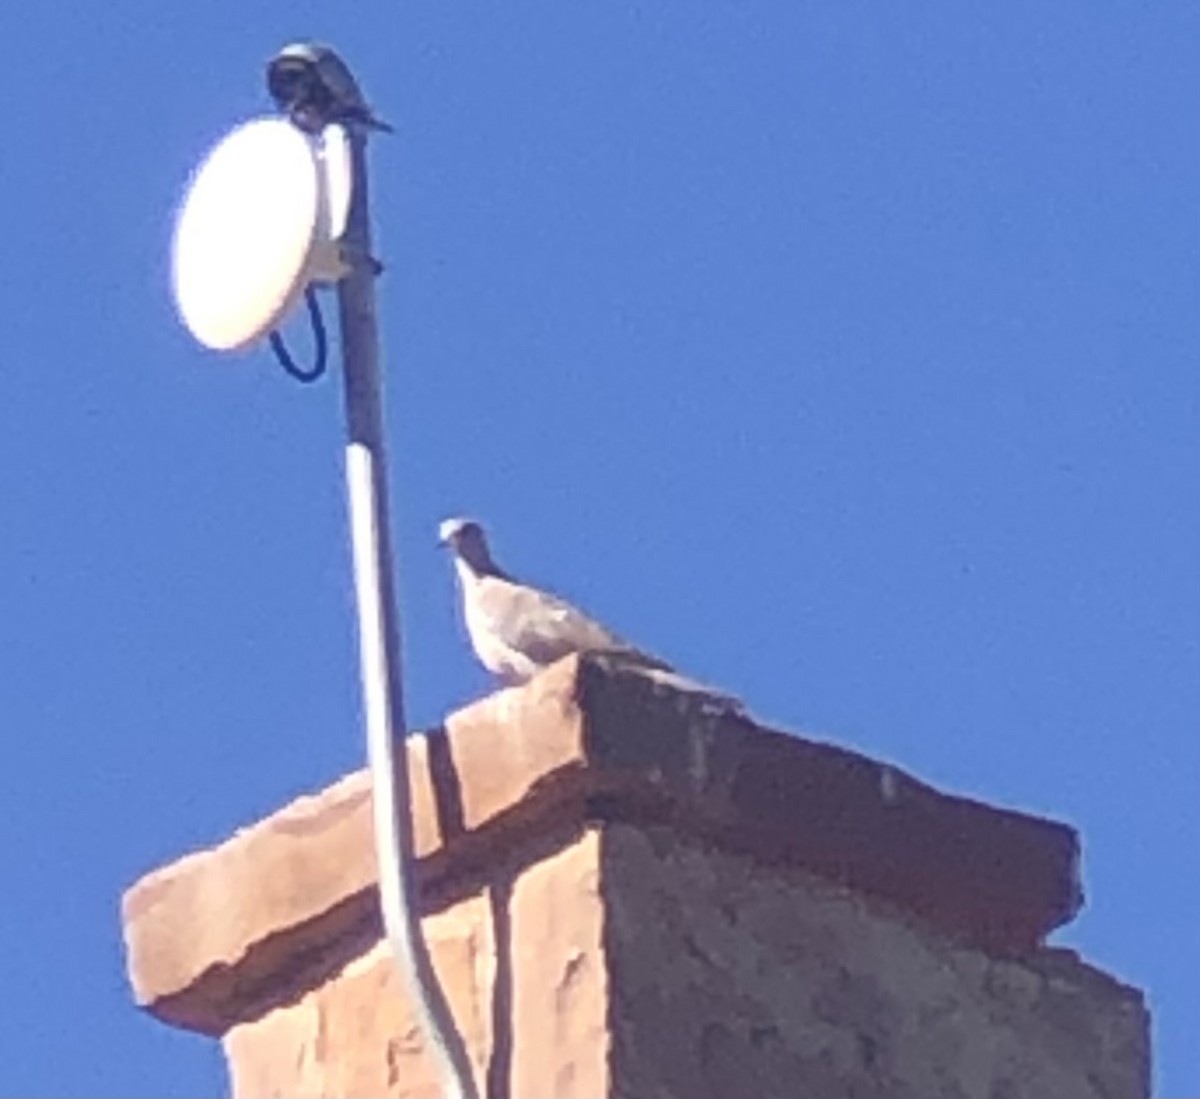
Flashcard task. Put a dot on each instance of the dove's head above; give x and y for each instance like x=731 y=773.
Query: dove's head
x=466 y=540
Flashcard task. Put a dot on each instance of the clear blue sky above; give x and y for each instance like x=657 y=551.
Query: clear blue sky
x=845 y=355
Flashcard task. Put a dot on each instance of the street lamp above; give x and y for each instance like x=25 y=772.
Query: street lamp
x=280 y=207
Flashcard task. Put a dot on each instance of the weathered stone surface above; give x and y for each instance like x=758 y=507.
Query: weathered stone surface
x=559 y=979
x=633 y=961
x=628 y=894
x=522 y=957
x=354 y=1034
x=210 y=938
x=733 y=980
x=207 y=936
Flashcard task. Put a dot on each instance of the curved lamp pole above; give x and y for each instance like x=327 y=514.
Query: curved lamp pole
x=313 y=85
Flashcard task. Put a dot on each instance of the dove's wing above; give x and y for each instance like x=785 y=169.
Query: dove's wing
x=538 y=625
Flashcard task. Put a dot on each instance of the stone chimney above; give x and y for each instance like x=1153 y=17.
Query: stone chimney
x=626 y=895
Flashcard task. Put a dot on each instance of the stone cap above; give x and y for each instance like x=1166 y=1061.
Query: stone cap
x=219 y=936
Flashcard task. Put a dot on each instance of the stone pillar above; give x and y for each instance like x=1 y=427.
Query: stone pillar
x=629 y=895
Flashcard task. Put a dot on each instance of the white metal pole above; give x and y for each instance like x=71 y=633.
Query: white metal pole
x=379 y=642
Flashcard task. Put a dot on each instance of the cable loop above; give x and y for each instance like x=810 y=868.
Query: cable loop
x=320 y=342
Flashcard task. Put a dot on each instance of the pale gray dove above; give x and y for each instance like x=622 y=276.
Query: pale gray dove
x=517 y=630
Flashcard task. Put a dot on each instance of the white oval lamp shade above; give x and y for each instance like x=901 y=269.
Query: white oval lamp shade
x=245 y=234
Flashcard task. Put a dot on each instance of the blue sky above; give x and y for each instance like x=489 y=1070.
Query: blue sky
x=845 y=355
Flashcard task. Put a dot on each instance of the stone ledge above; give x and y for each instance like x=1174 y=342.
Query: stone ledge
x=222 y=935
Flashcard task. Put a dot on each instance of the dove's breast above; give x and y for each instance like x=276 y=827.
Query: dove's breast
x=486 y=612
